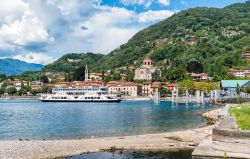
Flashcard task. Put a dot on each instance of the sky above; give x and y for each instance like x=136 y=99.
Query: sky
x=40 y=31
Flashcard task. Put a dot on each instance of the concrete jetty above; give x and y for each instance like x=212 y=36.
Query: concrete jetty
x=227 y=141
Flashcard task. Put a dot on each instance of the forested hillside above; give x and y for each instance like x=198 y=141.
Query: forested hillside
x=69 y=62
x=213 y=37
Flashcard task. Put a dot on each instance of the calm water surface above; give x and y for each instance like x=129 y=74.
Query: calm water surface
x=37 y=120
x=184 y=154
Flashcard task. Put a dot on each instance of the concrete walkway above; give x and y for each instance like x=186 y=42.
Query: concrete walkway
x=226 y=141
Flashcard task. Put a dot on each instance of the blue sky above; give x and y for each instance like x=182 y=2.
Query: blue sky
x=40 y=31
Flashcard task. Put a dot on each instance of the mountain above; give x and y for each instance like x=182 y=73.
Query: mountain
x=214 y=38
x=14 y=67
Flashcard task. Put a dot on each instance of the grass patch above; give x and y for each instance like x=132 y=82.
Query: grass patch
x=242 y=114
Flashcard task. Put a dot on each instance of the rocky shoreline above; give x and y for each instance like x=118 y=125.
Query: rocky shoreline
x=171 y=141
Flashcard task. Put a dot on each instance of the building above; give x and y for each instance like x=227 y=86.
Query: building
x=62 y=84
x=246 y=55
x=95 y=76
x=230 y=86
x=78 y=84
x=171 y=86
x=146 y=70
x=199 y=77
x=18 y=84
x=149 y=88
x=35 y=85
x=123 y=77
x=124 y=88
x=240 y=73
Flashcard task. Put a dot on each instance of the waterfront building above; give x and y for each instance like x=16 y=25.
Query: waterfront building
x=230 y=86
x=124 y=88
x=36 y=85
x=149 y=88
x=146 y=70
x=171 y=86
x=18 y=84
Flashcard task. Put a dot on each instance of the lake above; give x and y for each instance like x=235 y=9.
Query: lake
x=183 y=154
x=31 y=119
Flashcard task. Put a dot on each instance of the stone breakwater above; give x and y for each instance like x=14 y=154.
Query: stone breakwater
x=171 y=141
x=212 y=116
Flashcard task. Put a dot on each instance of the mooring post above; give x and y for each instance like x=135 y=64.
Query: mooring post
x=215 y=96
x=202 y=97
x=172 y=96
x=198 y=96
x=187 y=100
x=177 y=96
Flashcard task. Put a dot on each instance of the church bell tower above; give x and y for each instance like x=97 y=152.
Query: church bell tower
x=86 y=73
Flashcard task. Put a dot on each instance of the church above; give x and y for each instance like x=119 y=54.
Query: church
x=146 y=70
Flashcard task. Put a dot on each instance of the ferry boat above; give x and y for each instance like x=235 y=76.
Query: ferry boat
x=79 y=95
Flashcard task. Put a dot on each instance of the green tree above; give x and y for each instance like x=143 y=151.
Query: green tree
x=130 y=75
x=2 y=91
x=187 y=84
x=238 y=89
x=247 y=90
x=11 y=90
x=156 y=76
x=194 y=66
x=44 y=79
x=2 y=77
x=79 y=74
x=21 y=92
x=34 y=92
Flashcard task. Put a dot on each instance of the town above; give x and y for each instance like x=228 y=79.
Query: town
x=142 y=84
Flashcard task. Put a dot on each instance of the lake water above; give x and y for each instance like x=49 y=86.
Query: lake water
x=184 y=154
x=36 y=120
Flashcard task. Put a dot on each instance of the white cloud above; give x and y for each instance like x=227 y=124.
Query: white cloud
x=107 y=29
x=21 y=27
x=61 y=26
x=12 y=9
x=152 y=16
x=37 y=58
x=164 y=2
x=27 y=30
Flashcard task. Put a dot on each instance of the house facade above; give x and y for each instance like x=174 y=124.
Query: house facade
x=199 y=77
x=230 y=86
x=124 y=88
